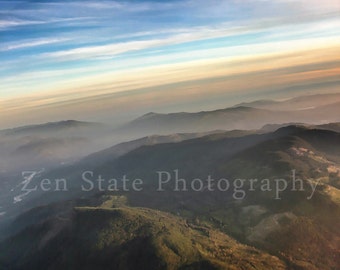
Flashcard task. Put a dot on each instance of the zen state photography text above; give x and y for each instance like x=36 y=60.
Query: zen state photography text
x=170 y=181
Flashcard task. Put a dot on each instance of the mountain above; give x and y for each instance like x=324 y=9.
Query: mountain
x=270 y=221
x=48 y=152
x=273 y=225
x=177 y=227
x=11 y=190
x=252 y=116
x=123 y=148
x=297 y=103
x=108 y=238
x=196 y=157
x=240 y=117
x=48 y=145
x=274 y=127
x=330 y=126
x=243 y=118
x=270 y=224
x=53 y=128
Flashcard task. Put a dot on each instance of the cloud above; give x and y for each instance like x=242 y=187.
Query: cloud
x=204 y=63
x=12 y=23
x=124 y=6
x=31 y=43
x=273 y=28
x=316 y=5
x=180 y=36
x=97 y=51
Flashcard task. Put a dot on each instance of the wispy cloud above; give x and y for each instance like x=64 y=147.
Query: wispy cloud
x=149 y=72
x=315 y=5
x=10 y=23
x=123 y=6
x=171 y=37
x=278 y=28
x=31 y=43
x=16 y=22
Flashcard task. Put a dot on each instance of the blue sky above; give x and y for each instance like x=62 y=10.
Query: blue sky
x=57 y=51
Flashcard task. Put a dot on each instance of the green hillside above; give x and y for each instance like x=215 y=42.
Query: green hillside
x=128 y=238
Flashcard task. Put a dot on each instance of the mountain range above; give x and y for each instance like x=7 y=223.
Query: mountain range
x=243 y=116
x=295 y=228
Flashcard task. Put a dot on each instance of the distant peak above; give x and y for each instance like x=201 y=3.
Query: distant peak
x=255 y=103
x=73 y=122
x=149 y=115
x=242 y=107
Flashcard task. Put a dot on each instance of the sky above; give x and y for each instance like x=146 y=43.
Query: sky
x=114 y=60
